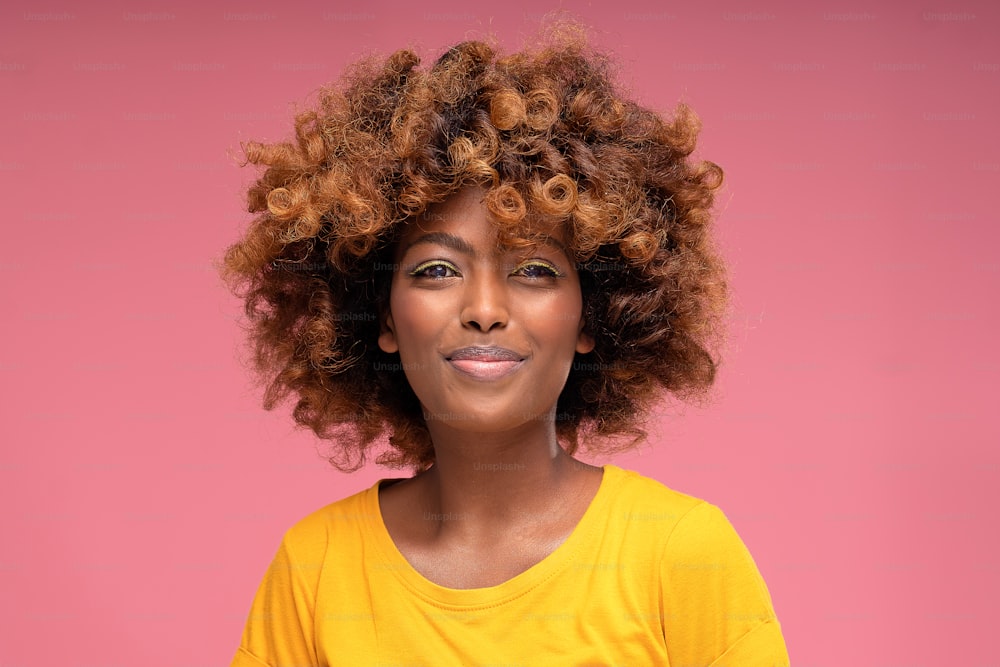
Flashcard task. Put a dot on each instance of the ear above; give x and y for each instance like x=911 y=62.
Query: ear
x=387 y=337
x=584 y=341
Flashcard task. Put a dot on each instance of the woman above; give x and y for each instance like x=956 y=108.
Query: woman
x=473 y=269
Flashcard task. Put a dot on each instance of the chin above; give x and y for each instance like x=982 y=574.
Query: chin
x=488 y=420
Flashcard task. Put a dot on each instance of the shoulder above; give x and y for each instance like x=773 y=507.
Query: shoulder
x=694 y=538
x=307 y=539
x=647 y=505
x=638 y=488
x=714 y=599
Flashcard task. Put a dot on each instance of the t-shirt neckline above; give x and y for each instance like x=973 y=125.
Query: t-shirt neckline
x=392 y=559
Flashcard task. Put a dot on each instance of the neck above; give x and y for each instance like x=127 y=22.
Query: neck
x=484 y=483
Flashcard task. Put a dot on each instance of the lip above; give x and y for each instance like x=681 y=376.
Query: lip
x=485 y=363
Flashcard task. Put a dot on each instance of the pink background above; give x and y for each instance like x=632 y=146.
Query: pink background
x=853 y=441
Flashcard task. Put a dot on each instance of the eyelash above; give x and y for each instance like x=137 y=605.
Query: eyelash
x=420 y=270
x=553 y=272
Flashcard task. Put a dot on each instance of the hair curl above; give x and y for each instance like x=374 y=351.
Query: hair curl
x=544 y=131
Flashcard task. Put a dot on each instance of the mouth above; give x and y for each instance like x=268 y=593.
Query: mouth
x=485 y=363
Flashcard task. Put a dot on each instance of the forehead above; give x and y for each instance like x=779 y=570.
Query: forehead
x=466 y=214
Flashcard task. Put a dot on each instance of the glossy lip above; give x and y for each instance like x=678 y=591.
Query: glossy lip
x=485 y=363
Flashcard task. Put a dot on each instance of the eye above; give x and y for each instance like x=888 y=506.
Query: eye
x=435 y=269
x=538 y=269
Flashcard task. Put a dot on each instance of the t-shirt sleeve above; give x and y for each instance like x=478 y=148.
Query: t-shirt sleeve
x=717 y=610
x=279 y=629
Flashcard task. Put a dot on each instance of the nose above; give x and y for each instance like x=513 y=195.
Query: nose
x=484 y=302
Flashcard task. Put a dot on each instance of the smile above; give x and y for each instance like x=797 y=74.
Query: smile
x=485 y=363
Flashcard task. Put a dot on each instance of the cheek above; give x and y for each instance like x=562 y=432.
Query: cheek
x=413 y=319
x=559 y=319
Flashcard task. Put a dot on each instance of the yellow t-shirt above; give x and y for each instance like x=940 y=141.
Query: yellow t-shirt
x=650 y=576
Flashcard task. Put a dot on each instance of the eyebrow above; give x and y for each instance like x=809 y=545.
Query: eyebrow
x=461 y=245
x=442 y=238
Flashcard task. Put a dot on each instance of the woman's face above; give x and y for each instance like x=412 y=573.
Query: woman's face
x=486 y=336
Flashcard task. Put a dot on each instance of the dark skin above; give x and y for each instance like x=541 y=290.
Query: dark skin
x=463 y=529
x=502 y=494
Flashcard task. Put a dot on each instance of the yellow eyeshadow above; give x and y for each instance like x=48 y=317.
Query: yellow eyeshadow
x=434 y=262
x=535 y=262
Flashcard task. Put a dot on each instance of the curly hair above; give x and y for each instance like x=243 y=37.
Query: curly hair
x=544 y=131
